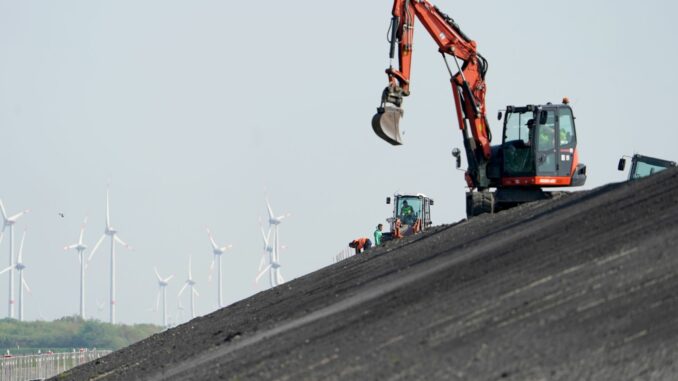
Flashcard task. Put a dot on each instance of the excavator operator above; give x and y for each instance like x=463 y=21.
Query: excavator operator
x=407 y=213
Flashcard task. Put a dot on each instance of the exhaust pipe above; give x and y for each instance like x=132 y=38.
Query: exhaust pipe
x=386 y=124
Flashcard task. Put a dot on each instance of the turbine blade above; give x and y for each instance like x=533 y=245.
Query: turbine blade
x=169 y=278
x=157 y=300
x=182 y=291
x=196 y=292
x=91 y=254
x=270 y=211
x=108 y=211
x=23 y=281
x=16 y=216
x=262 y=262
x=281 y=280
x=82 y=230
x=265 y=236
x=2 y=209
x=209 y=274
x=256 y=280
x=2 y=233
x=225 y=248
x=21 y=247
x=190 y=266
x=120 y=241
x=6 y=269
x=157 y=274
x=70 y=247
x=214 y=244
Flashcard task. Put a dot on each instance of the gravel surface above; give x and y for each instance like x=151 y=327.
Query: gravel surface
x=582 y=287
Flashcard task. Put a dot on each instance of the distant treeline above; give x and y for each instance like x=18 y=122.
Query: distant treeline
x=69 y=332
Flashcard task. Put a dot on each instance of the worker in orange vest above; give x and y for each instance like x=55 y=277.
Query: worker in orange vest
x=396 y=228
x=360 y=244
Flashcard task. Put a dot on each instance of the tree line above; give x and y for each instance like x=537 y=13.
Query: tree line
x=69 y=333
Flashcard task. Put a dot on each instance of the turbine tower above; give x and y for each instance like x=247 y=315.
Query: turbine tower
x=80 y=247
x=19 y=266
x=10 y=221
x=162 y=288
x=22 y=282
x=274 y=265
x=217 y=253
x=113 y=234
x=189 y=283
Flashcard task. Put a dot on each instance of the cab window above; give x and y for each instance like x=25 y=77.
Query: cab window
x=546 y=132
x=566 y=127
x=409 y=209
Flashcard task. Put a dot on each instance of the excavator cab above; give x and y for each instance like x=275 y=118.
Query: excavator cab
x=539 y=147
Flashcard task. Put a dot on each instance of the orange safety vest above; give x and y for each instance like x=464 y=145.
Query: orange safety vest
x=360 y=243
x=396 y=229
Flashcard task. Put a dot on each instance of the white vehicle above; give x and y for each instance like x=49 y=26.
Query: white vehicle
x=411 y=215
x=643 y=166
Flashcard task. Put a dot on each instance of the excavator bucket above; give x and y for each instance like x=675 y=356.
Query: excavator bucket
x=386 y=122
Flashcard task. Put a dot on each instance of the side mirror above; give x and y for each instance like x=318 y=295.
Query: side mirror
x=499 y=115
x=432 y=202
x=622 y=164
x=388 y=200
x=457 y=155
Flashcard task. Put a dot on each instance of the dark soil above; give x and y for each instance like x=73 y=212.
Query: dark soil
x=583 y=287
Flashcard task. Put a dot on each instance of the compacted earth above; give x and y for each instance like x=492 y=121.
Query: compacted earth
x=582 y=287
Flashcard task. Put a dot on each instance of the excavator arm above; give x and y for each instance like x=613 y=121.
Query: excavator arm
x=468 y=84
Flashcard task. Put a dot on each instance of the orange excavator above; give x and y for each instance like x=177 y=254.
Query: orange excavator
x=539 y=145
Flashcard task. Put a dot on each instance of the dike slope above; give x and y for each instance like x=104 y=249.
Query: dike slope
x=581 y=287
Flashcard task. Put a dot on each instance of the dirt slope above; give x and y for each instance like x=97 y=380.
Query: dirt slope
x=583 y=287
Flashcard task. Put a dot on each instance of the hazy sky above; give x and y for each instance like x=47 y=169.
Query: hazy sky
x=196 y=110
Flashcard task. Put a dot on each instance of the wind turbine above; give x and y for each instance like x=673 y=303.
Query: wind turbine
x=113 y=234
x=217 y=253
x=266 y=257
x=274 y=265
x=162 y=287
x=10 y=221
x=189 y=282
x=19 y=266
x=80 y=247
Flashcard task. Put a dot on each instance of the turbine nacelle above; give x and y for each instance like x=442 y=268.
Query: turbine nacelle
x=216 y=250
x=272 y=219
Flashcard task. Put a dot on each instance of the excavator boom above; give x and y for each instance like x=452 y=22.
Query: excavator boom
x=468 y=84
x=539 y=145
